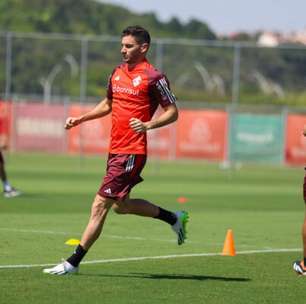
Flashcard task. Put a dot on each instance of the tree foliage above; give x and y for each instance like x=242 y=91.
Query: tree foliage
x=197 y=72
x=89 y=17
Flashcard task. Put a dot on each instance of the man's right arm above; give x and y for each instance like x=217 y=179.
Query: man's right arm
x=102 y=109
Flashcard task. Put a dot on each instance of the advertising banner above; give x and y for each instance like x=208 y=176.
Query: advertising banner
x=202 y=134
x=256 y=137
x=39 y=127
x=295 y=141
x=162 y=141
x=91 y=136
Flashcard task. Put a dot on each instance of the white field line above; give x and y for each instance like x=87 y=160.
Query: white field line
x=161 y=257
x=111 y=236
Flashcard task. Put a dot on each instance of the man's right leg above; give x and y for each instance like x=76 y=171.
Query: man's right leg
x=99 y=210
x=304 y=238
x=8 y=190
x=3 y=176
x=300 y=266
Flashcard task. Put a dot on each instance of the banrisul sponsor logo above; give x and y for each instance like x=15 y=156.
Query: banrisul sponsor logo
x=123 y=90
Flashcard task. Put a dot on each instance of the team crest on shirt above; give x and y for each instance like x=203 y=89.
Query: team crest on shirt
x=117 y=78
x=137 y=81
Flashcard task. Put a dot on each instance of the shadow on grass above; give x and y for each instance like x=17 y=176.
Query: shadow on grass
x=156 y=276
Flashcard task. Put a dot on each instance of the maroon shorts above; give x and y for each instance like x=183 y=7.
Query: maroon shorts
x=122 y=174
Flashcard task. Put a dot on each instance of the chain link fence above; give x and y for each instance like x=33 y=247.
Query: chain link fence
x=241 y=102
x=54 y=67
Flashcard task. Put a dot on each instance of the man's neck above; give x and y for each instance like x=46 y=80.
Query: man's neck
x=132 y=66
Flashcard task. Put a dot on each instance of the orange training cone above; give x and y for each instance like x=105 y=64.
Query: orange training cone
x=229 y=247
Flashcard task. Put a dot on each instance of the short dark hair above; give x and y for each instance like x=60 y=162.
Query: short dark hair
x=141 y=35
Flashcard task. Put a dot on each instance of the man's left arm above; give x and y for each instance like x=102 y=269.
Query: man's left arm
x=169 y=115
x=161 y=92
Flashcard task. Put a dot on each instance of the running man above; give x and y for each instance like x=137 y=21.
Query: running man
x=300 y=266
x=135 y=90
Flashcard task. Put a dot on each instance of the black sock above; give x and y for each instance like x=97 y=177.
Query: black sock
x=304 y=261
x=166 y=216
x=77 y=256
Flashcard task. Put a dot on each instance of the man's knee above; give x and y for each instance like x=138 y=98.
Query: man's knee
x=101 y=204
x=121 y=207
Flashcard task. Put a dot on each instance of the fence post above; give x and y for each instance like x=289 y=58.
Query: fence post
x=236 y=75
x=284 y=114
x=159 y=54
x=83 y=89
x=231 y=109
x=8 y=66
x=83 y=70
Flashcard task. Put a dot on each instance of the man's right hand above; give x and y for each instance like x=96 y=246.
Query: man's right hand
x=72 y=122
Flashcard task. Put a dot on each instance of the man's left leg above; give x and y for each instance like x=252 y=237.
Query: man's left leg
x=141 y=207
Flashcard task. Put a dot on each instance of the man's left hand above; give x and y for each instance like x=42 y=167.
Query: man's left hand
x=137 y=125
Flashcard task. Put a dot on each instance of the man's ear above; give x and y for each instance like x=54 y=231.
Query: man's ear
x=144 y=48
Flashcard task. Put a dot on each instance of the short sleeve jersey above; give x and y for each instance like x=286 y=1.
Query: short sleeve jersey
x=135 y=93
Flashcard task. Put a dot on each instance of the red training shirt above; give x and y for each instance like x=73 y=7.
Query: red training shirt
x=135 y=93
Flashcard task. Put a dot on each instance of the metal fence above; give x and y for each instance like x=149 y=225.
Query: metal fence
x=57 y=67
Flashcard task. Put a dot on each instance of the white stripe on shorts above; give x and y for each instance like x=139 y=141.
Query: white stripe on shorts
x=130 y=163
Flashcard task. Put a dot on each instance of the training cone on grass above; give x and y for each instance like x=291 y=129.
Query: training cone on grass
x=72 y=242
x=229 y=247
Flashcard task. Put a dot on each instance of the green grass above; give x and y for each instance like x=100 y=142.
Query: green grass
x=262 y=204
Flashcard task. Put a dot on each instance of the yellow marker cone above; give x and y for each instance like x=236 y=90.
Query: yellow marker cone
x=72 y=242
x=229 y=247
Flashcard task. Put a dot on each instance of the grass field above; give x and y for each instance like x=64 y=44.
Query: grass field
x=263 y=205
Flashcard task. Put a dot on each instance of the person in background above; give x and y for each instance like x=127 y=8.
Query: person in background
x=8 y=190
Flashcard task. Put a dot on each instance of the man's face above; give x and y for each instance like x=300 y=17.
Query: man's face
x=132 y=52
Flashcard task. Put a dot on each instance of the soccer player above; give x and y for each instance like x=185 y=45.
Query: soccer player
x=300 y=266
x=135 y=90
x=8 y=190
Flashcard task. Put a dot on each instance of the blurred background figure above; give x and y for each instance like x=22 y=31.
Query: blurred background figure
x=8 y=190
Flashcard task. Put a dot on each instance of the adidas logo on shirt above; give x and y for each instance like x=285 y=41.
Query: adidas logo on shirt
x=108 y=191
